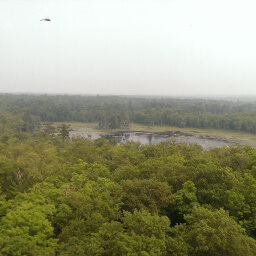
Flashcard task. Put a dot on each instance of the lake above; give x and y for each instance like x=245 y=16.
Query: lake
x=153 y=138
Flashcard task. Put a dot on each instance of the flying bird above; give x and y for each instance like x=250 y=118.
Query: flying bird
x=46 y=19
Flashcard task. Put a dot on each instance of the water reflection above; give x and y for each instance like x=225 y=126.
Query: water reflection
x=154 y=138
x=148 y=139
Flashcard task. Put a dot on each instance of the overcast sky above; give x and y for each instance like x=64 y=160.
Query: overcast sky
x=128 y=47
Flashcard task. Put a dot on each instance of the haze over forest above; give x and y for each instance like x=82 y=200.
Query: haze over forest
x=118 y=47
x=123 y=69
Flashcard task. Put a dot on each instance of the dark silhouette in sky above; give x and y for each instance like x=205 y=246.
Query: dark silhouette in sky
x=46 y=19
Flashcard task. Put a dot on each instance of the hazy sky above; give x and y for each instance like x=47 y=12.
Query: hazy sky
x=128 y=47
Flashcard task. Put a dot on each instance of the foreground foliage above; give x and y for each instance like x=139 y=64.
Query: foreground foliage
x=62 y=196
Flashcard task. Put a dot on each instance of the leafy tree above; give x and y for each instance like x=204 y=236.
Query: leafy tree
x=150 y=195
x=64 y=131
x=140 y=233
x=242 y=203
x=214 y=233
x=30 y=225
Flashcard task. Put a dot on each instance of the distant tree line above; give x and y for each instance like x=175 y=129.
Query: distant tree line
x=112 y=112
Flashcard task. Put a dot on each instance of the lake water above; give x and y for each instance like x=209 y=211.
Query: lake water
x=147 y=139
x=152 y=138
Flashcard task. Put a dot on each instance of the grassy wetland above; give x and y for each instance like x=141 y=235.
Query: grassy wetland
x=232 y=137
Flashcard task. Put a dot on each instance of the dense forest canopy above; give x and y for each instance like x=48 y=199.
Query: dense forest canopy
x=95 y=197
x=75 y=196
x=117 y=112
